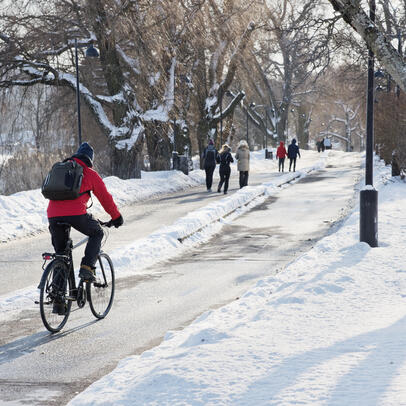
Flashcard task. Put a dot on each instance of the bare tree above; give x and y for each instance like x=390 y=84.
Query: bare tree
x=345 y=127
x=292 y=52
x=375 y=38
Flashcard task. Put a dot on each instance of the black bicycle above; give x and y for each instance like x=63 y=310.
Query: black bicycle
x=58 y=287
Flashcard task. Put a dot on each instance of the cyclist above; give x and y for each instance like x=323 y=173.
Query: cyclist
x=64 y=214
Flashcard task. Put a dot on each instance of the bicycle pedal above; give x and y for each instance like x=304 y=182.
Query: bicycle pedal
x=72 y=298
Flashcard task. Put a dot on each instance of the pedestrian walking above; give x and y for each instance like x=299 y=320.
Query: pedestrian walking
x=281 y=155
x=210 y=157
x=293 y=153
x=225 y=158
x=243 y=158
x=323 y=147
x=327 y=143
x=318 y=145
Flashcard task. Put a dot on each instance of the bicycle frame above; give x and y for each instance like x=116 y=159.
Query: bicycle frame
x=68 y=290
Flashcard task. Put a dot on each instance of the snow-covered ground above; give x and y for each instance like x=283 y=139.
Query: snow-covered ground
x=24 y=213
x=330 y=329
x=194 y=228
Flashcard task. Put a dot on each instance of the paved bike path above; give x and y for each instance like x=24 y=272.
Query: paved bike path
x=20 y=260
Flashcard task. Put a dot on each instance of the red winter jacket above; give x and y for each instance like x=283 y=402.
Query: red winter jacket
x=281 y=151
x=93 y=182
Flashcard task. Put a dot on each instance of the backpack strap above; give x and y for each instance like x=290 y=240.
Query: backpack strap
x=87 y=191
x=91 y=204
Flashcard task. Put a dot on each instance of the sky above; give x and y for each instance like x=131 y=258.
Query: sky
x=330 y=329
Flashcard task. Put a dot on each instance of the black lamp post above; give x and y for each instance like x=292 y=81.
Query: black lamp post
x=266 y=132
x=265 y=138
x=252 y=105
x=221 y=119
x=91 y=52
x=369 y=196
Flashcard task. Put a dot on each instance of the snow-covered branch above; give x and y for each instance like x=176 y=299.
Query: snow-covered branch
x=374 y=37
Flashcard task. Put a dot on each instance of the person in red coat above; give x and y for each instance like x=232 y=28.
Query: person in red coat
x=64 y=214
x=281 y=154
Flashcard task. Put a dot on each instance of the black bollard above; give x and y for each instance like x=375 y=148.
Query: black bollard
x=368 y=222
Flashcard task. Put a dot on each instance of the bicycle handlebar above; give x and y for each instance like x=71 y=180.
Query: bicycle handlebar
x=107 y=224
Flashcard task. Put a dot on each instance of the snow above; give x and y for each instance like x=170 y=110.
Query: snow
x=368 y=187
x=25 y=212
x=329 y=329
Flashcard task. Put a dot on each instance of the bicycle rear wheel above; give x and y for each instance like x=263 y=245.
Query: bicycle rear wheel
x=101 y=292
x=55 y=287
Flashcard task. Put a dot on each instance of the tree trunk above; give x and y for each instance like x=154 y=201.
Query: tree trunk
x=303 y=127
x=202 y=137
x=127 y=163
x=375 y=39
x=158 y=146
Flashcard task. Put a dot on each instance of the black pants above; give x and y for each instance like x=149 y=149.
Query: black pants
x=209 y=176
x=243 y=179
x=224 y=178
x=84 y=223
x=292 y=160
x=281 y=164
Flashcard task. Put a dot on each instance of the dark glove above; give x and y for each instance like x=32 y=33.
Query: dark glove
x=117 y=222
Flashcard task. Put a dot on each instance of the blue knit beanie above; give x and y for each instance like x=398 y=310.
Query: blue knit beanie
x=86 y=151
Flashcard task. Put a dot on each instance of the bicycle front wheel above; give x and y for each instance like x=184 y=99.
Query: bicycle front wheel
x=54 y=303
x=101 y=292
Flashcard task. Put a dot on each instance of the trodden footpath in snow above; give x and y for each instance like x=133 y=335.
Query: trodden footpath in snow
x=330 y=329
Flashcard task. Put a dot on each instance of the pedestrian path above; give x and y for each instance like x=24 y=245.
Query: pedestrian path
x=141 y=219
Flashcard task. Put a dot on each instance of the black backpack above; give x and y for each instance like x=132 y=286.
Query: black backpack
x=63 y=181
x=210 y=157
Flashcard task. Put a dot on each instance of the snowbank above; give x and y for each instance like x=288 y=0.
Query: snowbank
x=330 y=329
x=24 y=213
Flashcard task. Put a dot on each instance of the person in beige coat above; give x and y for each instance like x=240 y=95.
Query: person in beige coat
x=243 y=158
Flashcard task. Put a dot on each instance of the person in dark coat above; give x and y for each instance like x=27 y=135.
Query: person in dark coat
x=210 y=157
x=281 y=155
x=293 y=152
x=225 y=158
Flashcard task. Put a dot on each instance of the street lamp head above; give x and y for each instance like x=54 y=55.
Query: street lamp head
x=379 y=74
x=92 y=52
